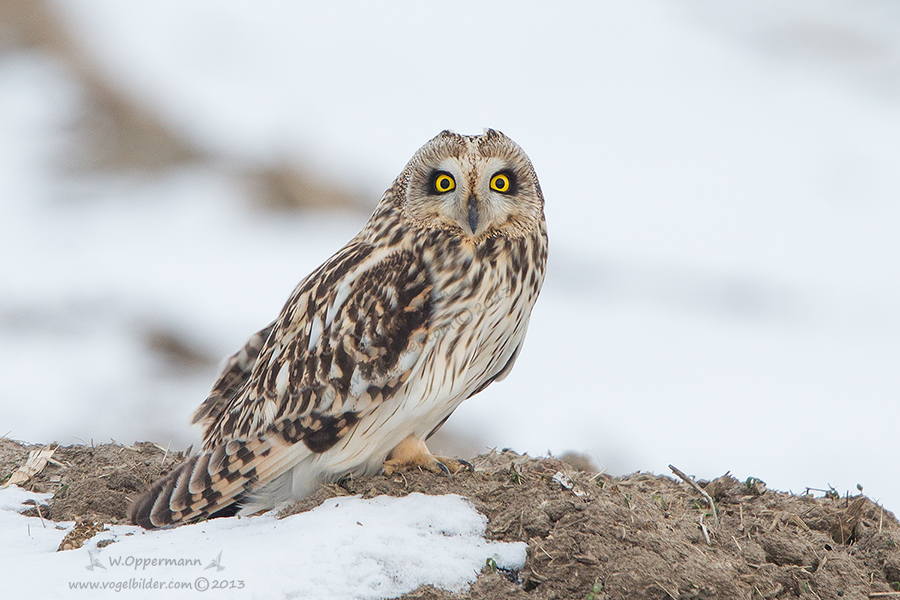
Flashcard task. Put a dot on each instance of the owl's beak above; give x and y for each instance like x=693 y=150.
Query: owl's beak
x=473 y=213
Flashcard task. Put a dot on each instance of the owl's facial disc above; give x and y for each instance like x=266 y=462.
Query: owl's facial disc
x=473 y=186
x=470 y=195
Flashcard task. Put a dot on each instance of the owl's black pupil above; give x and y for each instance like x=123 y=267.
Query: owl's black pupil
x=443 y=183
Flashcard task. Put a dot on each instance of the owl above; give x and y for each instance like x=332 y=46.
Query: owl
x=374 y=350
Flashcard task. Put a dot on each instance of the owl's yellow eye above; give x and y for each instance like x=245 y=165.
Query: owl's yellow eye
x=444 y=183
x=500 y=183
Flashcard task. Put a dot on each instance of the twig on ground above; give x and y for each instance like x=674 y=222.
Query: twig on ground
x=811 y=591
x=38 y=508
x=37 y=460
x=775 y=521
x=693 y=484
x=165 y=454
x=668 y=593
x=705 y=530
x=61 y=465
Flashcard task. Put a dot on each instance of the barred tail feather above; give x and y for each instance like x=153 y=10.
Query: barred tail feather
x=202 y=485
x=234 y=471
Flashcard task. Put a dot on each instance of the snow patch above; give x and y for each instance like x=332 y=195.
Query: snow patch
x=346 y=548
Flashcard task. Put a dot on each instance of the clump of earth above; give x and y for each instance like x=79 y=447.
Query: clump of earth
x=590 y=536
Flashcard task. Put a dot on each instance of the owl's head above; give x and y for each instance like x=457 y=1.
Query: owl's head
x=473 y=186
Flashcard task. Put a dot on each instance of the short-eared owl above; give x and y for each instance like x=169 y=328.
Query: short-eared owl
x=425 y=307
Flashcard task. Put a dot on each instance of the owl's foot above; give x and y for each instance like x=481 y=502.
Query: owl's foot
x=413 y=453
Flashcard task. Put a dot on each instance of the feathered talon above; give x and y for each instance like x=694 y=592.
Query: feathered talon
x=412 y=453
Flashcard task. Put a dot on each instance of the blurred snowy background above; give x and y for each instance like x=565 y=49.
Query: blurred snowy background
x=723 y=200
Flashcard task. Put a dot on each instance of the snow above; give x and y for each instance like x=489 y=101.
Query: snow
x=345 y=548
x=24 y=538
x=722 y=201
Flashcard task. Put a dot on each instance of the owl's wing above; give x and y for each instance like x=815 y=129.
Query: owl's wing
x=347 y=339
x=234 y=375
x=502 y=373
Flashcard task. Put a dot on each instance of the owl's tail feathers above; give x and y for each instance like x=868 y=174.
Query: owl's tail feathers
x=202 y=485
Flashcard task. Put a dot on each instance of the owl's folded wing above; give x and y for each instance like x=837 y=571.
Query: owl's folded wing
x=348 y=338
x=234 y=375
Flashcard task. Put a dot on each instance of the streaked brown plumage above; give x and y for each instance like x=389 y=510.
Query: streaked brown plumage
x=375 y=349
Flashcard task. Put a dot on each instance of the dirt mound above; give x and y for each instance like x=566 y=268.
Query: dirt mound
x=589 y=536
x=90 y=482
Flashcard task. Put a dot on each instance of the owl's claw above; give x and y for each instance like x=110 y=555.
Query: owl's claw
x=444 y=468
x=412 y=452
x=452 y=466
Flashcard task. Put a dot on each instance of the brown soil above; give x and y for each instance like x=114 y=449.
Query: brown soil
x=95 y=483
x=590 y=536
